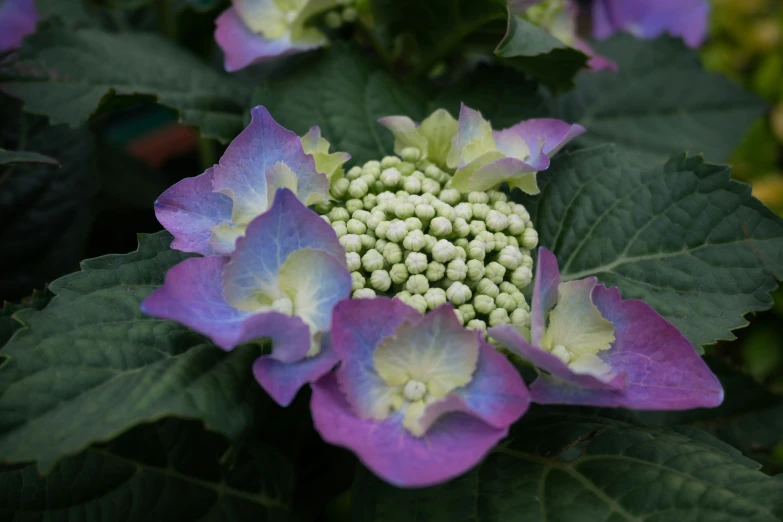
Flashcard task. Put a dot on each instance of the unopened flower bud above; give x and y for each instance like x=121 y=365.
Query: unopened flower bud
x=488 y=238
x=357 y=280
x=411 y=154
x=339 y=214
x=496 y=221
x=480 y=211
x=432 y=172
x=351 y=243
x=398 y=273
x=462 y=243
x=483 y=304
x=414 y=241
x=510 y=257
x=354 y=226
x=358 y=188
x=361 y=215
x=404 y=210
x=396 y=232
x=363 y=293
x=461 y=227
x=477 y=250
x=501 y=241
x=512 y=241
x=475 y=269
x=478 y=197
x=460 y=253
x=495 y=272
x=380 y=280
x=476 y=324
x=339 y=228
x=499 y=316
x=446 y=211
x=406 y=168
x=504 y=300
x=429 y=186
x=520 y=317
x=353 y=261
x=487 y=287
x=352 y=205
x=370 y=200
x=368 y=241
x=372 y=260
x=416 y=263
x=468 y=311
x=519 y=299
x=425 y=211
x=392 y=253
x=515 y=225
x=352 y=174
x=450 y=196
x=372 y=164
x=434 y=297
x=458 y=293
x=520 y=211
x=529 y=239
x=435 y=271
x=507 y=287
x=418 y=302
x=389 y=161
x=339 y=188
x=456 y=270
x=440 y=226
x=477 y=227
x=443 y=251
x=521 y=277
x=412 y=185
x=403 y=296
x=527 y=261
x=413 y=224
x=417 y=284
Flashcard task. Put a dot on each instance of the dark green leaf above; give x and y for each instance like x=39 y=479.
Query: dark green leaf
x=660 y=102
x=67 y=75
x=8 y=157
x=682 y=236
x=586 y=469
x=8 y=325
x=342 y=93
x=541 y=55
x=91 y=365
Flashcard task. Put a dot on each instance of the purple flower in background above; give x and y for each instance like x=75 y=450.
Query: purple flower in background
x=600 y=350
x=418 y=398
x=17 y=20
x=207 y=213
x=650 y=18
x=283 y=280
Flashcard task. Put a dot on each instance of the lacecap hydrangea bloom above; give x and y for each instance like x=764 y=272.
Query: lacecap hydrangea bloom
x=17 y=19
x=418 y=398
x=594 y=348
x=253 y=31
x=687 y=19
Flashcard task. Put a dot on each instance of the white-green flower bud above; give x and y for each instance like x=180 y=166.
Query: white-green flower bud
x=501 y=241
x=419 y=175
x=351 y=243
x=370 y=201
x=357 y=280
x=418 y=302
x=434 y=297
x=477 y=227
x=398 y=273
x=404 y=210
x=515 y=225
x=430 y=242
x=339 y=214
x=414 y=241
x=353 y=173
x=499 y=316
x=417 y=284
x=363 y=293
x=372 y=164
x=462 y=243
x=389 y=161
x=406 y=168
x=456 y=270
x=416 y=200
x=413 y=224
x=376 y=188
x=510 y=257
x=475 y=270
x=354 y=226
x=380 y=280
x=450 y=196
x=440 y=226
x=504 y=300
x=429 y=186
x=358 y=188
x=458 y=293
x=459 y=315
x=435 y=271
x=496 y=221
x=353 y=261
x=403 y=296
x=446 y=211
x=380 y=244
x=529 y=239
x=425 y=211
x=411 y=154
x=484 y=304
x=502 y=207
x=507 y=287
x=460 y=253
x=478 y=197
x=476 y=324
x=392 y=253
x=487 y=287
x=339 y=228
x=521 y=277
x=520 y=317
x=370 y=179
x=361 y=215
x=412 y=185
x=339 y=188
x=461 y=227
x=386 y=195
x=480 y=211
x=443 y=251
x=495 y=272
x=520 y=211
x=512 y=241
x=368 y=241
x=401 y=194
x=477 y=250
x=416 y=263
x=468 y=311
x=432 y=172
x=372 y=260
x=488 y=238
x=464 y=211
x=326 y=218
x=352 y=205
x=519 y=299
x=396 y=232
x=527 y=261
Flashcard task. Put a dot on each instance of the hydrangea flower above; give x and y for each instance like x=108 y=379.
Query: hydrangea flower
x=597 y=349
x=17 y=19
x=650 y=18
x=253 y=31
x=417 y=398
x=317 y=146
x=282 y=282
x=485 y=158
x=207 y=213
x=432 y=137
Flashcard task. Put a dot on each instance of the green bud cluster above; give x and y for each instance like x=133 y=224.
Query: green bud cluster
x=408 y=234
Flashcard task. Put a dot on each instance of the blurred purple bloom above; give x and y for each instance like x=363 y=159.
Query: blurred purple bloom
x=282 y=282
x=598 y=349
x=687 y=19
x=17 y=20
x=418 y=398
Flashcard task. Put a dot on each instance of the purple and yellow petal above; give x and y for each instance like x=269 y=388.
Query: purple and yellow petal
x=473 y=139
x=544 y=293
x=17 y=19
x=554 y=133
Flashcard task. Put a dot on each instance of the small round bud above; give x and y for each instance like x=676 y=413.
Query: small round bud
x=425 y=211
x=417 y=284
x=488 y=238
x=484 y=304
x=398 y=273
x=429 y=186
x=326 y=218
x=461 y=242
x=406 y=168
x=434 y=297
x=495 y=272
x=529 y=239
x=339 y=214
x=440 y=226
x=370 y=179
x=361 y=215
x=446 y=211
x=368 y=241
x=372 y=164
x=370 y=201
x=380 y=244
x=464 y=211
x=521 y=277
x=418 y=302
x=392 y=253
x=480 y=211
x=475 y=270
x=416 y=263
x=390 y=161
x=520 y=317
x=520 y=211
x=432 y=172
x=507 y=287
x=339 y=228
x=468 y=311
x=404 y=210
x=403 y=296
x=502 y=207
x=414 y=241
x=461 y=227
x=477 y=250
x=504 y=300
x=357 y=280
x=363 y=293
x=477 y=227
x=352 y=205
x=412 y=185
x=353 y=261
x=499 y=316
x=527 y=261
x=519 y=299
x=487 y=287
x=458 y=293
x=339 y=188
x=460 y=318
x=382 y=229
x=351 y=243
x=501 y=241
x=456 y=270
x=372 y=260
x=411 y=154
x=496 y=196
x=431 y=241
x=358 y=188
x=414 y=224
x=443 y=251
x=390 y=177
x=397 y=231
x=510 y=257
x=352 y=174
x=496 y=221
x=476 y=324
x=416 y=200
x=450 y=196
x=419 y=175
x=460 y=253
x=515 y=225
x=355 y=226
x=478 y=197
x=380 y=280
x=435 y=271
x=512 y=241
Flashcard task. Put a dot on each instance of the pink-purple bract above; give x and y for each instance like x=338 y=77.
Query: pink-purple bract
x=17 y=19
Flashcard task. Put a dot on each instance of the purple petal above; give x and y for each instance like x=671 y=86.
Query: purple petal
x=189 y=209
x=241 y=173
x=554 y=133
x=282 y=380
x=17 y=19
x=544 y=293
x=454 y=444
x=243 y=47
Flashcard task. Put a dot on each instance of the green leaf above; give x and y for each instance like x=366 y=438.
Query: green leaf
x=159 y=473
x=683 y=236
x=8 y=157
x=90 y=365
x=560 y=468
x=345 y=95
x=536 y=52
x=9 y=325
x=67 y=75
x=660 y=102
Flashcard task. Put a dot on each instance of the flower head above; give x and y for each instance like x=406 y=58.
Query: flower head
x=207 y=213
x=432 y=138
x=598 y=349
x=18 y=19
x=281 y=282
x=650 y=18
x=418 y=398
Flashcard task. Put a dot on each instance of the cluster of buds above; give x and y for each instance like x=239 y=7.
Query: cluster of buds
x=408 y=234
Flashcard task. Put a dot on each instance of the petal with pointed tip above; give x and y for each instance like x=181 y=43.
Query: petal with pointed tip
x=544 y=293
x=438 y=129
x=473 y=139
x=406 y=134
